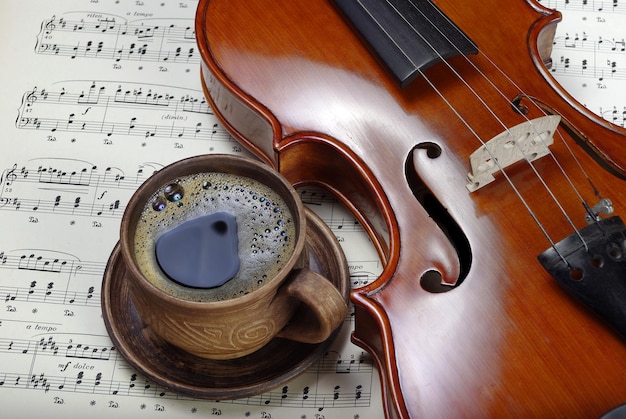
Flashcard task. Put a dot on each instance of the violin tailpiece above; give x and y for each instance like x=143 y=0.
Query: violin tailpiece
x=594 y=269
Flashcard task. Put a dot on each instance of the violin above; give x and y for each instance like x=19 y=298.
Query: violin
x=491 y=195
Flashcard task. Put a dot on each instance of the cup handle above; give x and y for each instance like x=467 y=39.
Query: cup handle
x=323 y=309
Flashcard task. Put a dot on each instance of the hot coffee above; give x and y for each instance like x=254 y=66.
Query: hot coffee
x=273 y=293
x=265 y=230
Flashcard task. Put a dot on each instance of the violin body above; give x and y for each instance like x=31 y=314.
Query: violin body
x=296 y=84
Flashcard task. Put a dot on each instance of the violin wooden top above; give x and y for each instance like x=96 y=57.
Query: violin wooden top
x=295 y=83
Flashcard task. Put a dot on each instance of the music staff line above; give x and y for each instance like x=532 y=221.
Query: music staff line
x=97 y=112
x=110 y=24
x=95 y=382
x=136 y=98
x=71 y=188
x=111 y=40
x=78 y=384
x=91 y=297
x=48 y=291
x=331 y=363
x=581 y=42
x=75 y=206
x=602 y=6
x=34 y=260
x=359 y=396
x=130 y=128
x=133 y=51
x=58 y=206
x=566 y=66
x=578 y=56
x=616 y=116
x=50 y=347
x=88 y=176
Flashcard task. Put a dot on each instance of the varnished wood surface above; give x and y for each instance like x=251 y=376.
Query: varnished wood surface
x=294 y=83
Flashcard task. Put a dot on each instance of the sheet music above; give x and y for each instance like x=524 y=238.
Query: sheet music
x=102 y=94
x=98 y=95
x=589 y=54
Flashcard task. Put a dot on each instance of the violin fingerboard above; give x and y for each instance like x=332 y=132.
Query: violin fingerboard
x=407 y=35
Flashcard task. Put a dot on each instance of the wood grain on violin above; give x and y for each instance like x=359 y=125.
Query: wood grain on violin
x=297 y=83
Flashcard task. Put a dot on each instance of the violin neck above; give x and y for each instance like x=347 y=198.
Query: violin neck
x=407 y=35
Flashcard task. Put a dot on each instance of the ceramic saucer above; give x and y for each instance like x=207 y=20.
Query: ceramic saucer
x=178 y=371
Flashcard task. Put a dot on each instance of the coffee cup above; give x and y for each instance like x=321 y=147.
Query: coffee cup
x=214 y=246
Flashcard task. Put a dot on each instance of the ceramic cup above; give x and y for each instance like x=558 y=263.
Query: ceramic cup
x=215 y=250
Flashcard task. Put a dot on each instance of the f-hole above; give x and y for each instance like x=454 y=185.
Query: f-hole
x=432 y=281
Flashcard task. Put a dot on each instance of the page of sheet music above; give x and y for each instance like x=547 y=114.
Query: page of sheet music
x=99 y=94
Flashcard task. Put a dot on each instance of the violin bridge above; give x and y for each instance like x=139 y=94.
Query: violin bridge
x=527 y=141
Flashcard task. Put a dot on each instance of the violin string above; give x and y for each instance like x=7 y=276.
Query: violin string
x=532 y=100
x=506 y=176
x=474 y=133
x=563 y=211
x=596 y=192
x=496 y=88
x=541 y=110
x=504 y=126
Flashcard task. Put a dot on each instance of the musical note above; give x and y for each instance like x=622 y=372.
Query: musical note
x=615 y=6
x=81 y=351
x=67 y=202
x=11 y=296
x=588 y=56
x=113 y=134
x=109 y=39
x=48 y=345
x=109 y=113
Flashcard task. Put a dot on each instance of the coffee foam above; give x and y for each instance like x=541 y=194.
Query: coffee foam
x=265 y=228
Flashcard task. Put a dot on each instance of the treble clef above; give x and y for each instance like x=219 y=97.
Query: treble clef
x=31 y=97
x=9 y=176
x=49 y=26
